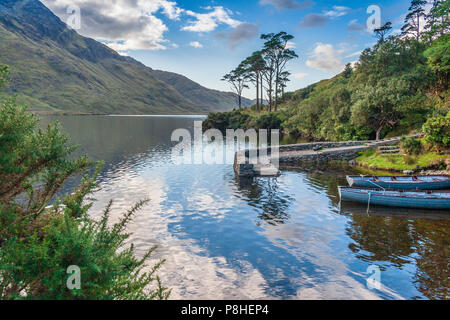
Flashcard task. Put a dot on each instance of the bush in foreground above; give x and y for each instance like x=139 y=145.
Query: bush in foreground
x=38 y=242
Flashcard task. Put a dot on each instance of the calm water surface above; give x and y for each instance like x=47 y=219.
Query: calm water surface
x=267 y=238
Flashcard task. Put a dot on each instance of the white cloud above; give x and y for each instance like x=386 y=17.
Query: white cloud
x=133 y=24
x=299 y=75
x=122 y=24
x=196 y=44
x=206 y=22
x=290 y=45
x=123 y=53
x=338 y=11
x=354 y=54
x=353 y=64
x=326 y=58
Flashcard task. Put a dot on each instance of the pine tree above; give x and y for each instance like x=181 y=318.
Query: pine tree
x=238 y=79
x=382 y=32
x=276 y=53
x=254 y=66
x=412 y=21
x=438 y=22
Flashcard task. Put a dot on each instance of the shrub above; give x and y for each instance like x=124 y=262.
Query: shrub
x=437 y=131
x=408 y=159
x=39 y=242
x=235 y=119
x=268 y=121
x=411 y=146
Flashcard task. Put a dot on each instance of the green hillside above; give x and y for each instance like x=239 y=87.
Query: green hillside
x=399 y=85
x=55 y=69
x=197 y=94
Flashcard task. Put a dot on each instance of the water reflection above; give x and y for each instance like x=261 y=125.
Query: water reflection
x=398 y=241
x=284 y=238
x=265 y=194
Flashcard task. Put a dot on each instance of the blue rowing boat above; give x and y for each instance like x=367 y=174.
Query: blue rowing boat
x=396 y=198
x=401 y=183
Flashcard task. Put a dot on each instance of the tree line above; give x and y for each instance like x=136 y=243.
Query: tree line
x=395 y=87
x=265 y=69
x=396 y=74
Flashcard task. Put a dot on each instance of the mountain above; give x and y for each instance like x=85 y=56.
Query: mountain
x=198 y=95
x=55 y=69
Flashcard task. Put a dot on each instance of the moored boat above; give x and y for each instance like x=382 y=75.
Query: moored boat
x=401 y=183
x=396 y=198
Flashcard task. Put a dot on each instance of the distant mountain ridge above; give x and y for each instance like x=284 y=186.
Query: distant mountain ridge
x=55 y=69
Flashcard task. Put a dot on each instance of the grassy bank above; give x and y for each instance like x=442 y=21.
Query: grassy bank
x=397 y=162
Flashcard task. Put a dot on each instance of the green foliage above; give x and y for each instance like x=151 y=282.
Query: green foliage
x=239 y=119
x=438 y=21
x=268 y=121
x=392 y=90
x=408 y=159
x=387 y=91
x=266 y=65
x=4 y=72
x=227 y=120
x=373 y=160
x=39 y=242
x=437 y=130
x=323 y=111
x=411 y=146
x=438 y=56
x=412 y=20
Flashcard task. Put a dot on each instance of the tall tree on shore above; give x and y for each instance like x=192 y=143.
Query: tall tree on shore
x=382 y=32
x=269 y=69
x=254 y=66
x=238 y=79
x=276 y=53
x=388 y=84
x=438 y=22
x=283 y=79
x=412 y=21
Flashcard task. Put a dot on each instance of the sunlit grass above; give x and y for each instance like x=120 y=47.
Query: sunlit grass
x=372 y=159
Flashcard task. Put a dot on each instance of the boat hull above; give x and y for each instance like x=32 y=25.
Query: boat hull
x=401 y=183
x=420 y=200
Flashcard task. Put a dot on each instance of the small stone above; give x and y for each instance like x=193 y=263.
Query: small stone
x=408 y=172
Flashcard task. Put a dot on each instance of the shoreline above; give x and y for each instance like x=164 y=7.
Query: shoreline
x=44 y=113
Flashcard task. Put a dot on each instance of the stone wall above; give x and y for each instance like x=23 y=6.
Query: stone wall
x=303 y=153
x=307 y=146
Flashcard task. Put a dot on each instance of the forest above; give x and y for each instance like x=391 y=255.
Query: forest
x=394 y=88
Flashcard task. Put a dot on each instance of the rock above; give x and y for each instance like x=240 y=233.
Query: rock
x=352 y=162
x=408 y=172
x=317 y=148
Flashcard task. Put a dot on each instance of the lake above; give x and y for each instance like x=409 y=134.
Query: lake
x=283 y=237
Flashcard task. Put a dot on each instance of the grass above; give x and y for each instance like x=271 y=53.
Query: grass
x=373 y=160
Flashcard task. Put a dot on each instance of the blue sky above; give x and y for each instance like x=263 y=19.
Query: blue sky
x=205 y=39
